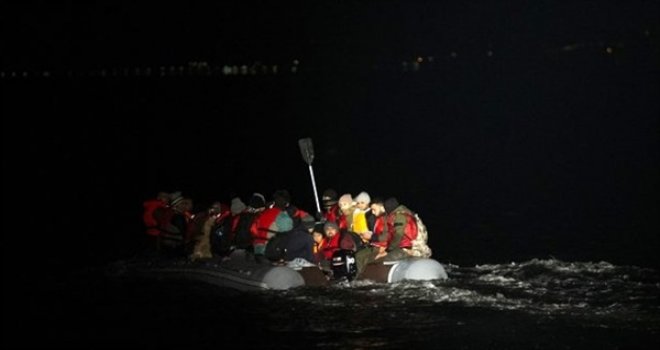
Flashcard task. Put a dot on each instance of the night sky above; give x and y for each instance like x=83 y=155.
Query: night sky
x=516 y=130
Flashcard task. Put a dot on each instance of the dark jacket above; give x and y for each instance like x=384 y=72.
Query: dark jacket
x=299 y=244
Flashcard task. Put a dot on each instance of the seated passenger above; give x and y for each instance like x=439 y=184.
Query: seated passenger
x=331 y=210
x=299 y=244
x=402 y=230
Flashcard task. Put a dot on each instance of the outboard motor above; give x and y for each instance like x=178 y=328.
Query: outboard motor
x=343 y=264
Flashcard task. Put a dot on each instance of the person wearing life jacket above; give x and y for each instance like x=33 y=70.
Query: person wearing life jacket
x=379 y=236
x=346 y=209
x=265 y=226
x=236 y=208
x=331 y=210
x=332 y=240
x=350 y=240
x=379 y=226
x=402 y=230
x=320 y=242
x=363 y=219
x=241 y=226
x=322 y=250
x=153 y=208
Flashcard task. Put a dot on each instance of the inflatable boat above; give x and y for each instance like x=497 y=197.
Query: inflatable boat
x=240 y=271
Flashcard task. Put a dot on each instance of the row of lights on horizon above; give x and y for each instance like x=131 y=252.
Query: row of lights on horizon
x=204 y=69
x=192 y=69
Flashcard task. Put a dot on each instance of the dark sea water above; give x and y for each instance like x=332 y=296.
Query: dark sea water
x=544 y=304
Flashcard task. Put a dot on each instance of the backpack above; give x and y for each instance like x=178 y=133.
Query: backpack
x=419 y=244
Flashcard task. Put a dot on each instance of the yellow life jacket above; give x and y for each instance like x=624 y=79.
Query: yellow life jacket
x=360 y=222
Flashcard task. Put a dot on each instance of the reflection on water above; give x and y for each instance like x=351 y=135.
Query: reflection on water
x=533 y=304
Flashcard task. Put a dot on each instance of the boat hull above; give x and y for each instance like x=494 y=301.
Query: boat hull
x=413 y=269
x=242 y=273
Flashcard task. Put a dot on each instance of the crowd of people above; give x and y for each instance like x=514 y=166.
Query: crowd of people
x=278 y=232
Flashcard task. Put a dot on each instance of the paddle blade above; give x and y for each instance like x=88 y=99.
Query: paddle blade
x=307 y=150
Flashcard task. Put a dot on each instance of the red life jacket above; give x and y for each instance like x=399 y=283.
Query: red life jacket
x=343 y=223
x=332 y=245
x=318 y=250
x=379 y=229
x=148 y=218
x=332 y=214
x=261 y=224
x=409 y=229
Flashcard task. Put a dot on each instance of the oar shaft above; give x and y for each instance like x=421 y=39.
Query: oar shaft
x=316 y=196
